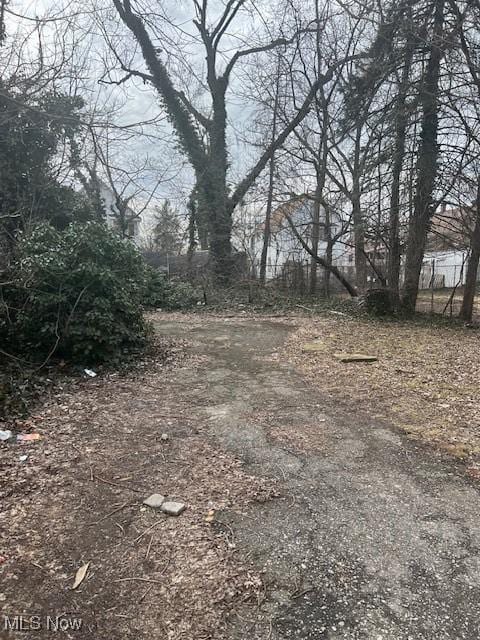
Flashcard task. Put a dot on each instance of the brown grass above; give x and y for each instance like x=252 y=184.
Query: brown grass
x=426 y=379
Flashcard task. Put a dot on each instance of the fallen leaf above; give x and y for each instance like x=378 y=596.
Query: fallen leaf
x=80 y=575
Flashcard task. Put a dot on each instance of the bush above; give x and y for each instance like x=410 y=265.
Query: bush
x=77 y=293
x=162 y=293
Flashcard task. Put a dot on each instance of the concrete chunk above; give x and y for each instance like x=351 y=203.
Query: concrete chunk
x=155 y=500
x=173 y=508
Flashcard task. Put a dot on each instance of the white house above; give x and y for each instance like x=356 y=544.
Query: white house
x=443 y=269
x=447 y=250
x=111 y=210
x=285 y=251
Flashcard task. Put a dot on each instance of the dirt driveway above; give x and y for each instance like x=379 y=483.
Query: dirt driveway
x=304 y=520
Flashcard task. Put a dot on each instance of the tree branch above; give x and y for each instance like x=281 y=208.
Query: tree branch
x=247 y=52
x=175 y=107
x=326 y=265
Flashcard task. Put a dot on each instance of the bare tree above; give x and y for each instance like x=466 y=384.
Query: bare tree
x=203 y=137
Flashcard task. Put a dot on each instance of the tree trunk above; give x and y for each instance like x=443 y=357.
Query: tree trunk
x=357 y=218
x=329 y=257
x=315 y=236
x=401 y=121
x=466 y=312
x=271 y=180
x=191 y=233
x=215 y=181
x=267 y=224
x=426 y=165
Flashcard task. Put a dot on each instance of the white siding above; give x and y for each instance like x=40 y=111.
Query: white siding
x=447 y=266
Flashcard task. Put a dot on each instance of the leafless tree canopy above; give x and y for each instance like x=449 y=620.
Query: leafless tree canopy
x=234 y=108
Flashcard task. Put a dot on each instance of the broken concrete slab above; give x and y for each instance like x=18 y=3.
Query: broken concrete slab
x=155 y=500
x=354 y=357
x=172 y=508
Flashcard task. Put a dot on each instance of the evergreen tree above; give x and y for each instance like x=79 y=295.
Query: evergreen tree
x=167 y=235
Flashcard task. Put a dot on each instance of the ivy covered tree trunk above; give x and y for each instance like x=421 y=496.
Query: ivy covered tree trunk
x=427 y=162
x=219 y=213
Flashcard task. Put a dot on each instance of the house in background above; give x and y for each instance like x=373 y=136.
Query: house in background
x=444 y=265
x=132 y=220
x=287 y=260
x=447 y=248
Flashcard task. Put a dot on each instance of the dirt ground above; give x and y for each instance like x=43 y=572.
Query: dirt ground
x=426 y=378
x=78 y=498
x=309 y=515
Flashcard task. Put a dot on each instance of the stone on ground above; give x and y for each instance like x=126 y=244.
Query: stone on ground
x=173 y=508
x=155 y=500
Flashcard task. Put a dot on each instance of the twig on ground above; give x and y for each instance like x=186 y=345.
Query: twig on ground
x=148 y=548
x=142 y=598
x=116 y=484
x=138 y=579
x=138 y=538
x=301 y=306
x=270 y=630
x=295 y=596
x=125 y=504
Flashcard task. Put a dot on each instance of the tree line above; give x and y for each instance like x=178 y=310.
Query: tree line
x=367 y=109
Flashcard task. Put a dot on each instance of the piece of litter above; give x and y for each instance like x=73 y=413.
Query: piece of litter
x=80 y=575
x=155 y=500
x=23 y=458
x=28 y=437
x=164 y=437
x=5 y=434
x=90 y=373
x=173 y=508
x=210 y=517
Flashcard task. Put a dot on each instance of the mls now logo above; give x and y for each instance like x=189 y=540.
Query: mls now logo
x=22 y=623
x=63 y=623
x=35 y=623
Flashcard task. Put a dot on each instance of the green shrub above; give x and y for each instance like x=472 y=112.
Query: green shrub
x=162 y=293
x=77 y=293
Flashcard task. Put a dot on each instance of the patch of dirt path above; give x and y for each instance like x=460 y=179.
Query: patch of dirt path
x=328 y=524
